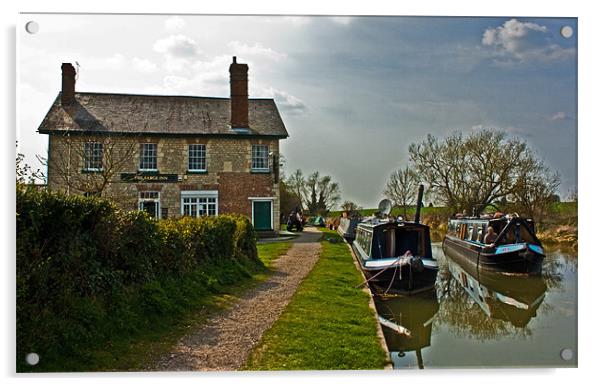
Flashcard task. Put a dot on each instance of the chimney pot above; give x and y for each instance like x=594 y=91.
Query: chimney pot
x=239 y=95
x=68 y=83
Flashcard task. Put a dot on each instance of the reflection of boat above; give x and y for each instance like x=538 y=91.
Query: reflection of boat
x=511 y=298
x=393 y=253
x=347 y=227
x=407 y=322
x=515 y=249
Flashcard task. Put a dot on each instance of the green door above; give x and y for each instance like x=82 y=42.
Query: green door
x=262 y=215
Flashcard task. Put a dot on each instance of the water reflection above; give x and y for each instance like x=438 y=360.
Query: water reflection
x=480 y=318
x=407 y=322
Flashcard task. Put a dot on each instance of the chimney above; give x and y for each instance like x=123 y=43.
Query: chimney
x=68 y=90
x=239 y=95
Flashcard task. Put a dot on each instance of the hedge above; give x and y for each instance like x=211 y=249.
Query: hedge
x=84 y=267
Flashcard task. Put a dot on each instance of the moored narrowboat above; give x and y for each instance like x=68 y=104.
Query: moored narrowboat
x=509 y=246
x=394 y=253
x=347 y=228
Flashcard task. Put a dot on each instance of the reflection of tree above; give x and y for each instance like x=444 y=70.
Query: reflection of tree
x=463 y=317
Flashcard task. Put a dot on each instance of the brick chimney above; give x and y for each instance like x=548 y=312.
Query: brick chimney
x=239 y=95
x=68 y=90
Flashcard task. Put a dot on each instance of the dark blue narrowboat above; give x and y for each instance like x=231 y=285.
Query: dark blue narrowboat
x=514 y=249
x=394 y=253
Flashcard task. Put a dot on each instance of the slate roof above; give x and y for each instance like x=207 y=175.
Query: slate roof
x=158 y=114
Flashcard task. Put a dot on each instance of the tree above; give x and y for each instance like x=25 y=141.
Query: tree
x=351 y=208
x=296 y=184
x=535 y=192
x=470 y=173
x=322 y=193
x=24 y=173
x=401 y=188
x=87 y=165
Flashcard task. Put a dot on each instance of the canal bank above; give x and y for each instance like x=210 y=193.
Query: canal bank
x=328 y=325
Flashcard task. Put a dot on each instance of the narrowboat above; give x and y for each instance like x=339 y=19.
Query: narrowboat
x=394 y=253
x=515 y=247
x=347 y=228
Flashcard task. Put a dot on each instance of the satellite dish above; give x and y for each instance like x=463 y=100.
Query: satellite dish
x=385 y=206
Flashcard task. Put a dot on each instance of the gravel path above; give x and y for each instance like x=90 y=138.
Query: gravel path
x=226 y=340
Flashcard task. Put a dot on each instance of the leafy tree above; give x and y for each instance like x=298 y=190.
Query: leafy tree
x=352 y=209
x=401 y=188
x=322 y=193
x=469 y=173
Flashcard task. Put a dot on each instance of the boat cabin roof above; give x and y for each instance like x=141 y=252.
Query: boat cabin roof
x=384 y=223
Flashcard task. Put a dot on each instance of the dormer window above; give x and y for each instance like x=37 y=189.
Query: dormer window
x=92 y=156
x=259 y=158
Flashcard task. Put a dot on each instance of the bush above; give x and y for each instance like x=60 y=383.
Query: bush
x=87 y=270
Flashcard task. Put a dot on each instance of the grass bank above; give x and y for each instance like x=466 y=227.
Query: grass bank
x=328 y=323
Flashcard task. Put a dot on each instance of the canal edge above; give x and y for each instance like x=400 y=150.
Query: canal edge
x=372 y=305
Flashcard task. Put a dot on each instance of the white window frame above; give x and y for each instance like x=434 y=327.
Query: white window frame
x=262 y=199
x=142 y=145
x=89 y=155
x=267 y=158
x=199 y=194
x=156 y=200
x=204 y=157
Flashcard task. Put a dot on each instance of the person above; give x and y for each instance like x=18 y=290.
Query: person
x=490 y=236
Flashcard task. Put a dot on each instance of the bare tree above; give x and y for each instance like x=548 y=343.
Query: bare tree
x=535 y=192
x=401 y=188
x=296 y=184
x=92 y=165
x=469 y=173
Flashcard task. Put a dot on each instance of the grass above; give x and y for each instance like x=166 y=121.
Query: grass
x=148 y=321
x=327 y=325
x=268 y=252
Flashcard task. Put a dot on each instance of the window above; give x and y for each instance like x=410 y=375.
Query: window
x=93 y=156
x=148 y=156
x=259 y=158
x=196 y=158
x=199 y=203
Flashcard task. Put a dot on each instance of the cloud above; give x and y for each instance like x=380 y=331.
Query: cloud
x=524 y=41
x=174 y=24
x=255 y=50
x=144 y=65
x=284 y=100
x=559 y=116
x=177 y=46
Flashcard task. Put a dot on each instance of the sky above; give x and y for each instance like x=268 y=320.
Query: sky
x=353 y=92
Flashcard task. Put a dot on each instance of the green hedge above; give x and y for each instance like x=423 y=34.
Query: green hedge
x=87 y=271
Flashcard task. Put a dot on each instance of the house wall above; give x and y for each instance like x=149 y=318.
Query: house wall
x=228 y=164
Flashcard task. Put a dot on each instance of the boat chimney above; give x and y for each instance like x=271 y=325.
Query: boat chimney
x=419 y=203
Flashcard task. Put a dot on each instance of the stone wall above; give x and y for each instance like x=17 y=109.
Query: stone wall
x=228 y=163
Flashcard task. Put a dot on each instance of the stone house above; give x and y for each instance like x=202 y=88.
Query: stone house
x=169 y=155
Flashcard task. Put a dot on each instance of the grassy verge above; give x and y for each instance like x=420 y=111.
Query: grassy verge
x=327 y=325
x=269 y=252
x=158 y=315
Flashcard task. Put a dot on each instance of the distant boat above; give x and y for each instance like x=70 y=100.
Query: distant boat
x=347 y=227
x=516 y=248
x=396 y=254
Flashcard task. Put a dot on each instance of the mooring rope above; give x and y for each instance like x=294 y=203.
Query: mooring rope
x=407 y=254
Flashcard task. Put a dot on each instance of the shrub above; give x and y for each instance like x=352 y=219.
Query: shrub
x=86 y=270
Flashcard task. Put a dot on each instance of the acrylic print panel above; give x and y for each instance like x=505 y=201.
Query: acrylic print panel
x=183 y=179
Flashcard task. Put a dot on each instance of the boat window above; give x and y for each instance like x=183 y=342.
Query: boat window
x=482 y=233
x=475 y=232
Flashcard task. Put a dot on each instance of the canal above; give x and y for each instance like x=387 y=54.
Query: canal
x=480 y=319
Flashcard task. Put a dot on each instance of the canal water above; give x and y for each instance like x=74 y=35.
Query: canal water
x=480 y=319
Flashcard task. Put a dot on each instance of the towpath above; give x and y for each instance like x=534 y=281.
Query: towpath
x=226 y=340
